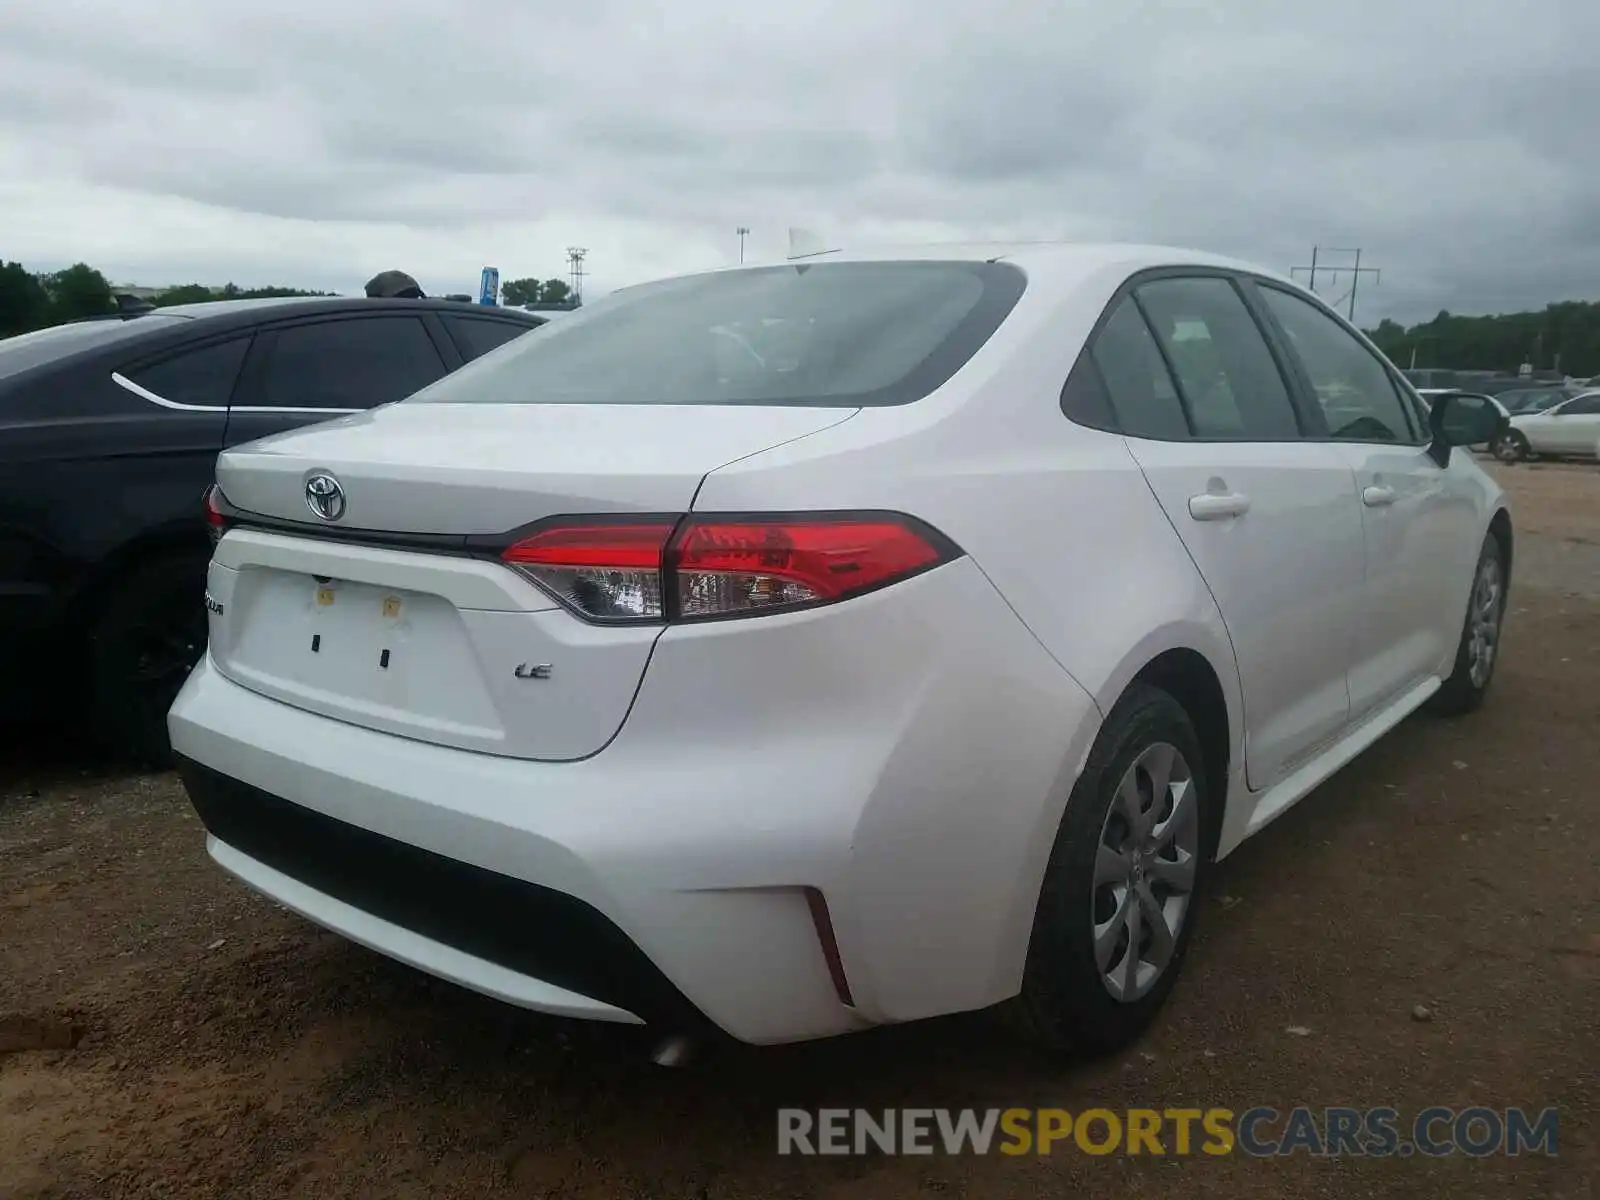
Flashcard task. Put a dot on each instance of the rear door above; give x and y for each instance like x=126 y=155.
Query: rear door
x=1269 y=517
x=163 y=446
x=1419 y=526
x=315 y=370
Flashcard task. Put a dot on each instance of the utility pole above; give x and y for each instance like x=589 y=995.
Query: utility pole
x=1356 y=271
x=743 y=231
x=575 y=256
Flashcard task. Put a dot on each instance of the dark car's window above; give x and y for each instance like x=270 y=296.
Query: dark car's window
x=1354 y=387
x=24 y=350
x=355 y=363
x=807 y=333
x=204 y=376
x=1230 y=382
x=476 y=336
x=1136 y=379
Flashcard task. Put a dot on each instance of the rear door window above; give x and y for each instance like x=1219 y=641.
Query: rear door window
x=200 y=378
x=351 y=364
x=1227 y=375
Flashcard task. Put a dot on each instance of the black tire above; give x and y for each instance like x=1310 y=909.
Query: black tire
x=1464 y=690
x=1065 y=1004
x=1511 y=448
x=143 y=643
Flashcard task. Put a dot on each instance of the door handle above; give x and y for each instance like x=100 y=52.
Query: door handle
x=1377 y=497
x=1218 y=506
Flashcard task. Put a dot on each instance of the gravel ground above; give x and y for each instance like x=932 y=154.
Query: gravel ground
x=226 y=1048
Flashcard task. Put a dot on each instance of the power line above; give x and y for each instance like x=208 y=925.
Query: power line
x=1355 y=270
x=743 y=231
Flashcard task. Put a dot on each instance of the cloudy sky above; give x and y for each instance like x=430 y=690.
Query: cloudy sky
x=317 y=143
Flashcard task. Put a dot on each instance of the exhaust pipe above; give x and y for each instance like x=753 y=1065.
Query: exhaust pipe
x=675 y=1051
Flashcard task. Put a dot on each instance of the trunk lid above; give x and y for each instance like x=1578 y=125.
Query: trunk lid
x=486 y=468
x=435 y=645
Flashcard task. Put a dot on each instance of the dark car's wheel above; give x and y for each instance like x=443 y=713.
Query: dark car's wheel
x=1118 y=904
x=147 y=638
x=1511 y=447
x=1479 y=647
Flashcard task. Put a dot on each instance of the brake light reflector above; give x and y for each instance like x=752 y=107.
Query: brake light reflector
x=606 y=571
x=723 y=568
x=701 y=567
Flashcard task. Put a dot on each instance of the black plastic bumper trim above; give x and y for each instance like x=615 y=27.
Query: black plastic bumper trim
x=536 y=931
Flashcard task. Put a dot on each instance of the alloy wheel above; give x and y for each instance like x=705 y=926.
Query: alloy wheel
x=1483 y=621
x=1144 y=872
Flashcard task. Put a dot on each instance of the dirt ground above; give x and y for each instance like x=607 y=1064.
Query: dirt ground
x=230 y=1049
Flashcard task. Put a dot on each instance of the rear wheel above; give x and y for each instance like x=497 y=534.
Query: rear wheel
x=142 y=646
x=1479 y=647
x=1117 y=907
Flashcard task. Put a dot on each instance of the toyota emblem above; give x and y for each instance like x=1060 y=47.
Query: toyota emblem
x=325 y=497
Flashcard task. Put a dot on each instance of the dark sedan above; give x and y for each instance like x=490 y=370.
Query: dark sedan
x=109 y=432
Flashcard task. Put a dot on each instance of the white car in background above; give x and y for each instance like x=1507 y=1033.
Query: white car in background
x=1568 y=429
x=923 y=666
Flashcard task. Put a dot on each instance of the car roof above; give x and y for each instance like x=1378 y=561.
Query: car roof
x=1055 y=257
x=289 y=306
x=60 y=344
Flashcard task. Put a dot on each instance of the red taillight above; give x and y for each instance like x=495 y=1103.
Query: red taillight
x=710 y=566
x=605 y=570
x=727 y=567
x=216 y=522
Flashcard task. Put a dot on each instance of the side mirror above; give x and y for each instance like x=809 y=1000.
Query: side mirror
x=1462 y=419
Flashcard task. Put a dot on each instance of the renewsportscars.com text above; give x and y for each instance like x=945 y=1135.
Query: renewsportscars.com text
x=1258 y=1132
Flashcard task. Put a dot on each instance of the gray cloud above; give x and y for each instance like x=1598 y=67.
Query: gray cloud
x=318 y=140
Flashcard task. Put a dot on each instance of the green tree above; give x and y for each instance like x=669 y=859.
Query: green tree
x=185 y=293
x=516 y=292
x=555 y=291
x=1564 y=336
x=24 y=304
x=79 y=291
x=273 y=292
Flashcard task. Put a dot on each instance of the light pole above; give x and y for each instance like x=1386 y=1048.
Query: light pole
x=743 y=231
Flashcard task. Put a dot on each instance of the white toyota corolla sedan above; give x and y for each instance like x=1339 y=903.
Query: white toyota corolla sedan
x=798 y=648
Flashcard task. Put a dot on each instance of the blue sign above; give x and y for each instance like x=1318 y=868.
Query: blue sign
x=489 y=286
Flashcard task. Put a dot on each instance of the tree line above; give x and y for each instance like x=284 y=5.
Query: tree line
x=1562 y=337
x=30 y=301
x=530 y=293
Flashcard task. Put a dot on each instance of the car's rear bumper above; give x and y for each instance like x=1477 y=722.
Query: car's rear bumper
x=517 y=941
x=675 y=873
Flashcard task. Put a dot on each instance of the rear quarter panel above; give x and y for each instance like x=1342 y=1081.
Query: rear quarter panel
x=1058 y=518
x=85 y=475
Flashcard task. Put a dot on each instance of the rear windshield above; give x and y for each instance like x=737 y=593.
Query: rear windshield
x=26 y=350
x=803 y=334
